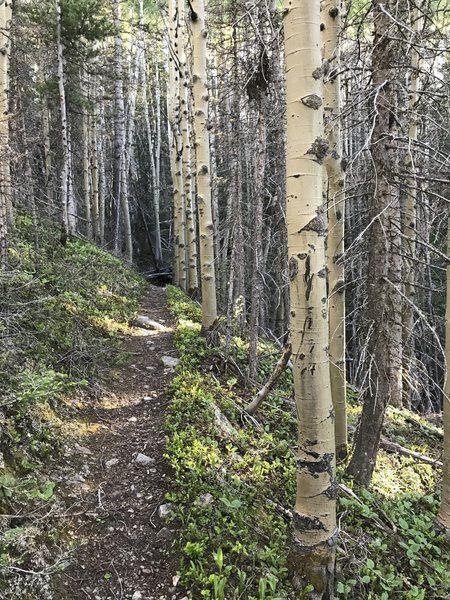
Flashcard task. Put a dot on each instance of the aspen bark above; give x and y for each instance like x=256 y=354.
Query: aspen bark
x=384 y=302
x=5 y=167
x=94 y=176
x=312 y=553
x=443 y=517
x=410 y=219
x=3 y=139
x=65 y=169
x=171 y=110
x=153 y=156
x=200 y=89
x=120 y=163
x=191 y=234
x=86 y=165
x=180 y=140
x=47 y=153
x=334 y=182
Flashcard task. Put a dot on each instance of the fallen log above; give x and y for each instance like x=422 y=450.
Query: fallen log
x=395 y=448
x=263 y=392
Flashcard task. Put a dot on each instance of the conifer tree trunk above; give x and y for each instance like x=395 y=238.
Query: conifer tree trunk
x=313 y=548
x=384 y=302
x=206 y=227
x=334 y=182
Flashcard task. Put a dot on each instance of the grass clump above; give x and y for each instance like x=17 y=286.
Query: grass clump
x=236 y=483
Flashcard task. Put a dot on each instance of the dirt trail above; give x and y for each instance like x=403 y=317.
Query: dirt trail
x=125 y=550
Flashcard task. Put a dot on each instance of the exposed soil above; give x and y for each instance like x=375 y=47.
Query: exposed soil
x=123 y=547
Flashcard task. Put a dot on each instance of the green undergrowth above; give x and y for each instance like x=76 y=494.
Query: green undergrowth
x=236 y=481
x=61 y=309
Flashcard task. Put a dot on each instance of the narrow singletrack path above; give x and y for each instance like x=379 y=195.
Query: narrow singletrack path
x=122 y=544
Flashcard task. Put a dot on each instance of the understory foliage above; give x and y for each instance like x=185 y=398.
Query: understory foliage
x=61 y=309
x=236 y=482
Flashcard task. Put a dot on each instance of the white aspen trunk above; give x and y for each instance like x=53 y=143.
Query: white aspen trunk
x=4 y=135
x=47 y=153
x=120 y=162
x=65 y=169
x=191 y=235
x=334 y=182
x=86 y=164
x=171 y=112
x=94 y=175
x=192 y=201
x=200 y=89
x=72 y=208
x=157 y=159
x=154 y=160
x=314 y=538
x=99 y=133
x=5 y=167
x=181 y=139
x=443 y=517
x=410 y=220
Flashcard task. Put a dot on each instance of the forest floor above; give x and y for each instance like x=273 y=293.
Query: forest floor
x=115 y=477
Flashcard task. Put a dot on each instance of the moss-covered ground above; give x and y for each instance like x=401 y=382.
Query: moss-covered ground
x=61 y=309
x=236 y=484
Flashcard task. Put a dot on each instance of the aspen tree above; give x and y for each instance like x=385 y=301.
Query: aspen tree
x=86 y=163
x=443 y=517
x=312 y=552
x=154 y=160
x=47 y=151
x=65 y=170
x=200 y=90
x=191 y=236
x=3 y=137
x=410 y=218
x=171 y=110
x=120 y=163
x=5 y=168
x=334 y=182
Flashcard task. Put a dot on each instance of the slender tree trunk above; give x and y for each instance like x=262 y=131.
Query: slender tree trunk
x=120 y=164
x=444 y=511
x=65 y=170
x=154 y=160
x=200 y=88
x=410 y=222
x=4 y=139
x=334 y=182
x=385 y=265
x=86 y=163
x=99 y=130
x=47 y=153
x=191 y=234
x=313 y=548
x=257 y=242
x=94 y=171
